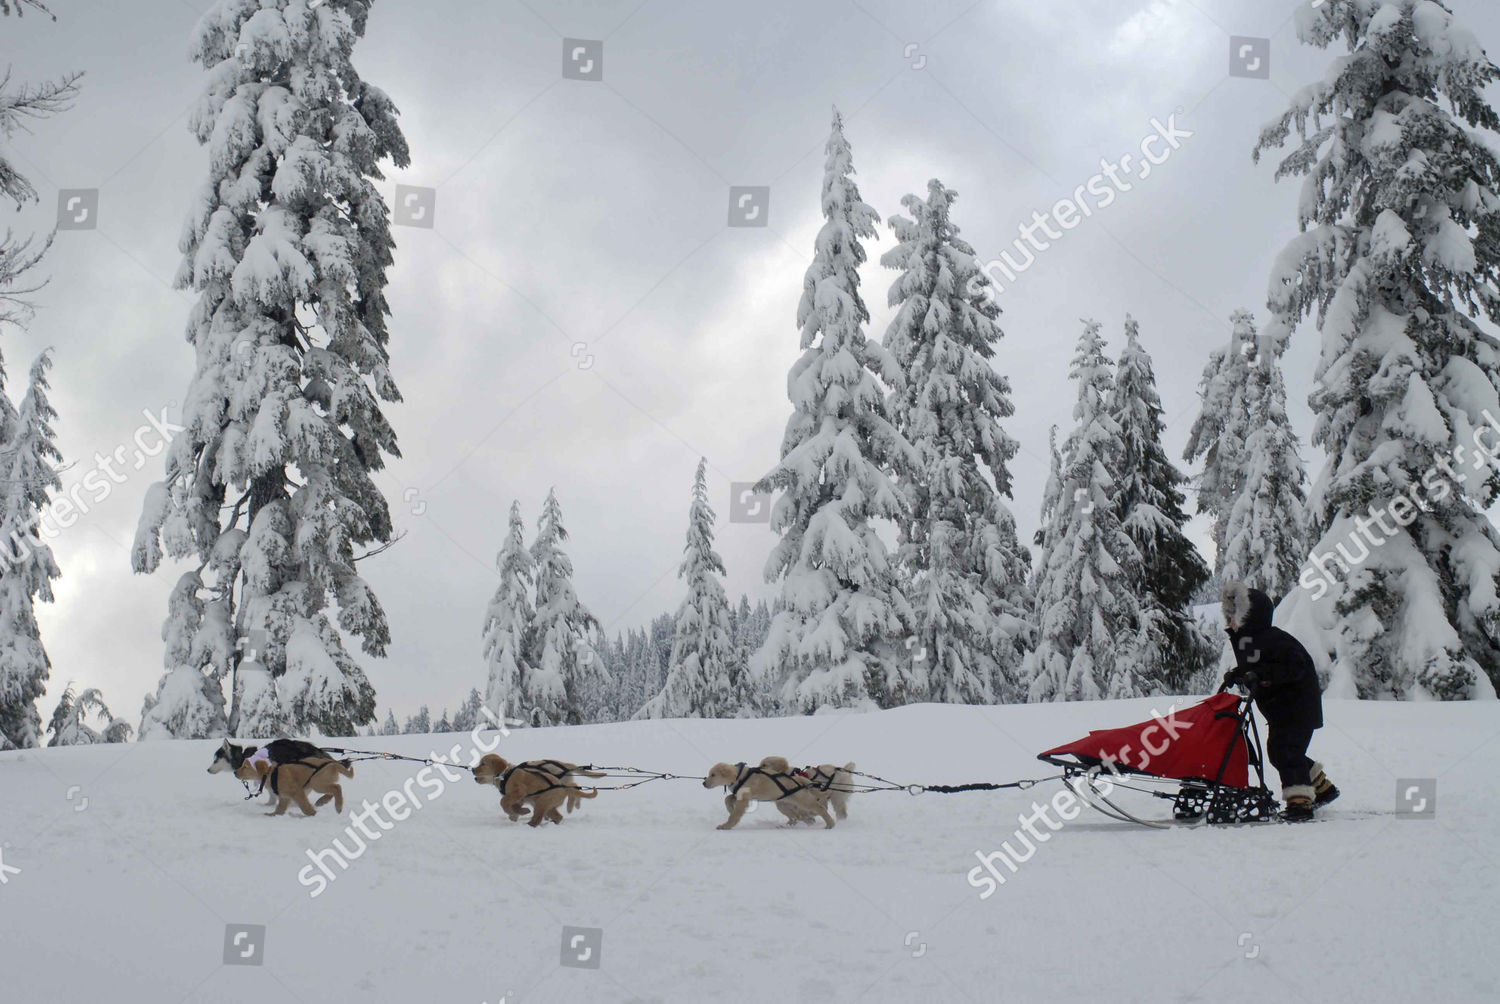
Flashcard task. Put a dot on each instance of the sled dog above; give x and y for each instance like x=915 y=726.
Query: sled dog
x=546 y=785
x=772 y=781
x=290 y=782
x=835 y=780
x=229 y=756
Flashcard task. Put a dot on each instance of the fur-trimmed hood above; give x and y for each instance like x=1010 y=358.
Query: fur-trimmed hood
x=1245 y=610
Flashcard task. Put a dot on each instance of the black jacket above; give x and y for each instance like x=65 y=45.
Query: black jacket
x=1275 y=668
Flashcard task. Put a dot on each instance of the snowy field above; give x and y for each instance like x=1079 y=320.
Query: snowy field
x=125 y=865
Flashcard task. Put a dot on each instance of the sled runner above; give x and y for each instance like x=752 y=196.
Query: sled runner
x=1199 y=758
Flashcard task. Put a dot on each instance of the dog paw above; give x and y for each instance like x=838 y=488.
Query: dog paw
x=725 y=826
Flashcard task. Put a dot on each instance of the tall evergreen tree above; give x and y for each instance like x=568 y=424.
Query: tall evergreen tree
x=838 y=638
x=1265 y=540
x=1086 y=610
x=508 y=624
x=188 y=703
x=964 y=569
x=420 y=723
x=1222 y=428
x=389 y=726
x=28 y=472
x=1169 y=649
x=469 y=713
x=23 y=102
x=287 y=245
x=1399 y=253
x=704 y=672
x=564 y=668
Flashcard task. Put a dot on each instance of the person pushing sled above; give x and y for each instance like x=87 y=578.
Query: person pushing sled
x=1279 y=675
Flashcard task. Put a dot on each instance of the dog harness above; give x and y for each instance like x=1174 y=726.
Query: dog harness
x=555 y=771
x=788 y=784
x=301 y=763
x=816 y=777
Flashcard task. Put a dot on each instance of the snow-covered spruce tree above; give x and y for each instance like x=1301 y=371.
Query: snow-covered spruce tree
x=704 y=673
x=963 y=569
x=565 y=673
x=838 y=639
x=1169 y=649
x=508 y=624
x=188 y=703
x=1085 y=606
x=1221 y=429
x=70 y=727
x=1399 y=255
x=287 y=246
x=469 y=714
x=1253 y=480
x=420 y=723
x=28 y=458
x=19 y=103
x=1265 y=539
x=389 y=726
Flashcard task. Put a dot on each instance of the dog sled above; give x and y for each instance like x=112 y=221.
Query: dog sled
x=1199 y=758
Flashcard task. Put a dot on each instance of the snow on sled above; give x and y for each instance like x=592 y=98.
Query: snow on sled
x=1199 y=758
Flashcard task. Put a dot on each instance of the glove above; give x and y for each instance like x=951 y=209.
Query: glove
x=1245 y=678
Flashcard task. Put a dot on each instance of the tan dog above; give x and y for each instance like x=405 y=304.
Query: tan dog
x=290 y=782
x=770 y=781
x=835 y=780
x=545 y=784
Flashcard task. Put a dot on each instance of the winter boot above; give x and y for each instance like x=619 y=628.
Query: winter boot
x=1299 y=803
x=1325 y=789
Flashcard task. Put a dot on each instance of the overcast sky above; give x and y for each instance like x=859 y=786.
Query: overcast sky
x=580 y=314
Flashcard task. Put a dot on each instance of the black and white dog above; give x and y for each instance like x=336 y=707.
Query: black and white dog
x=228 y=757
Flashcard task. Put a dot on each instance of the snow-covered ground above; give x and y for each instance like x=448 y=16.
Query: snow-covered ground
x=123 y=866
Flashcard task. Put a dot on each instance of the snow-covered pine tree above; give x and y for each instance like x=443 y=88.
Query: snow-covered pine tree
x=838 y=639
x=70 y=726
x=508 y=625
x=1219 y=433
x=420 y=723
x=1265 y=539
x=1169 y=649
x=468 y=714
x=27 y=101
x=1085 y=607
x=964 y=571
x=563 y=667
x=28 y=472
x=389 y=727
x=287 y=246
x=703 y=672
x=1253 y=480
x=188 y=703
x=1399 y=254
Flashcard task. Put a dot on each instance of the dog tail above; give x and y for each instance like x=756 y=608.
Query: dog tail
x=588 y=773
x=344 y=767
x=588 y=792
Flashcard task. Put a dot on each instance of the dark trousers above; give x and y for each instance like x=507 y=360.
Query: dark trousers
x=1286 y=748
